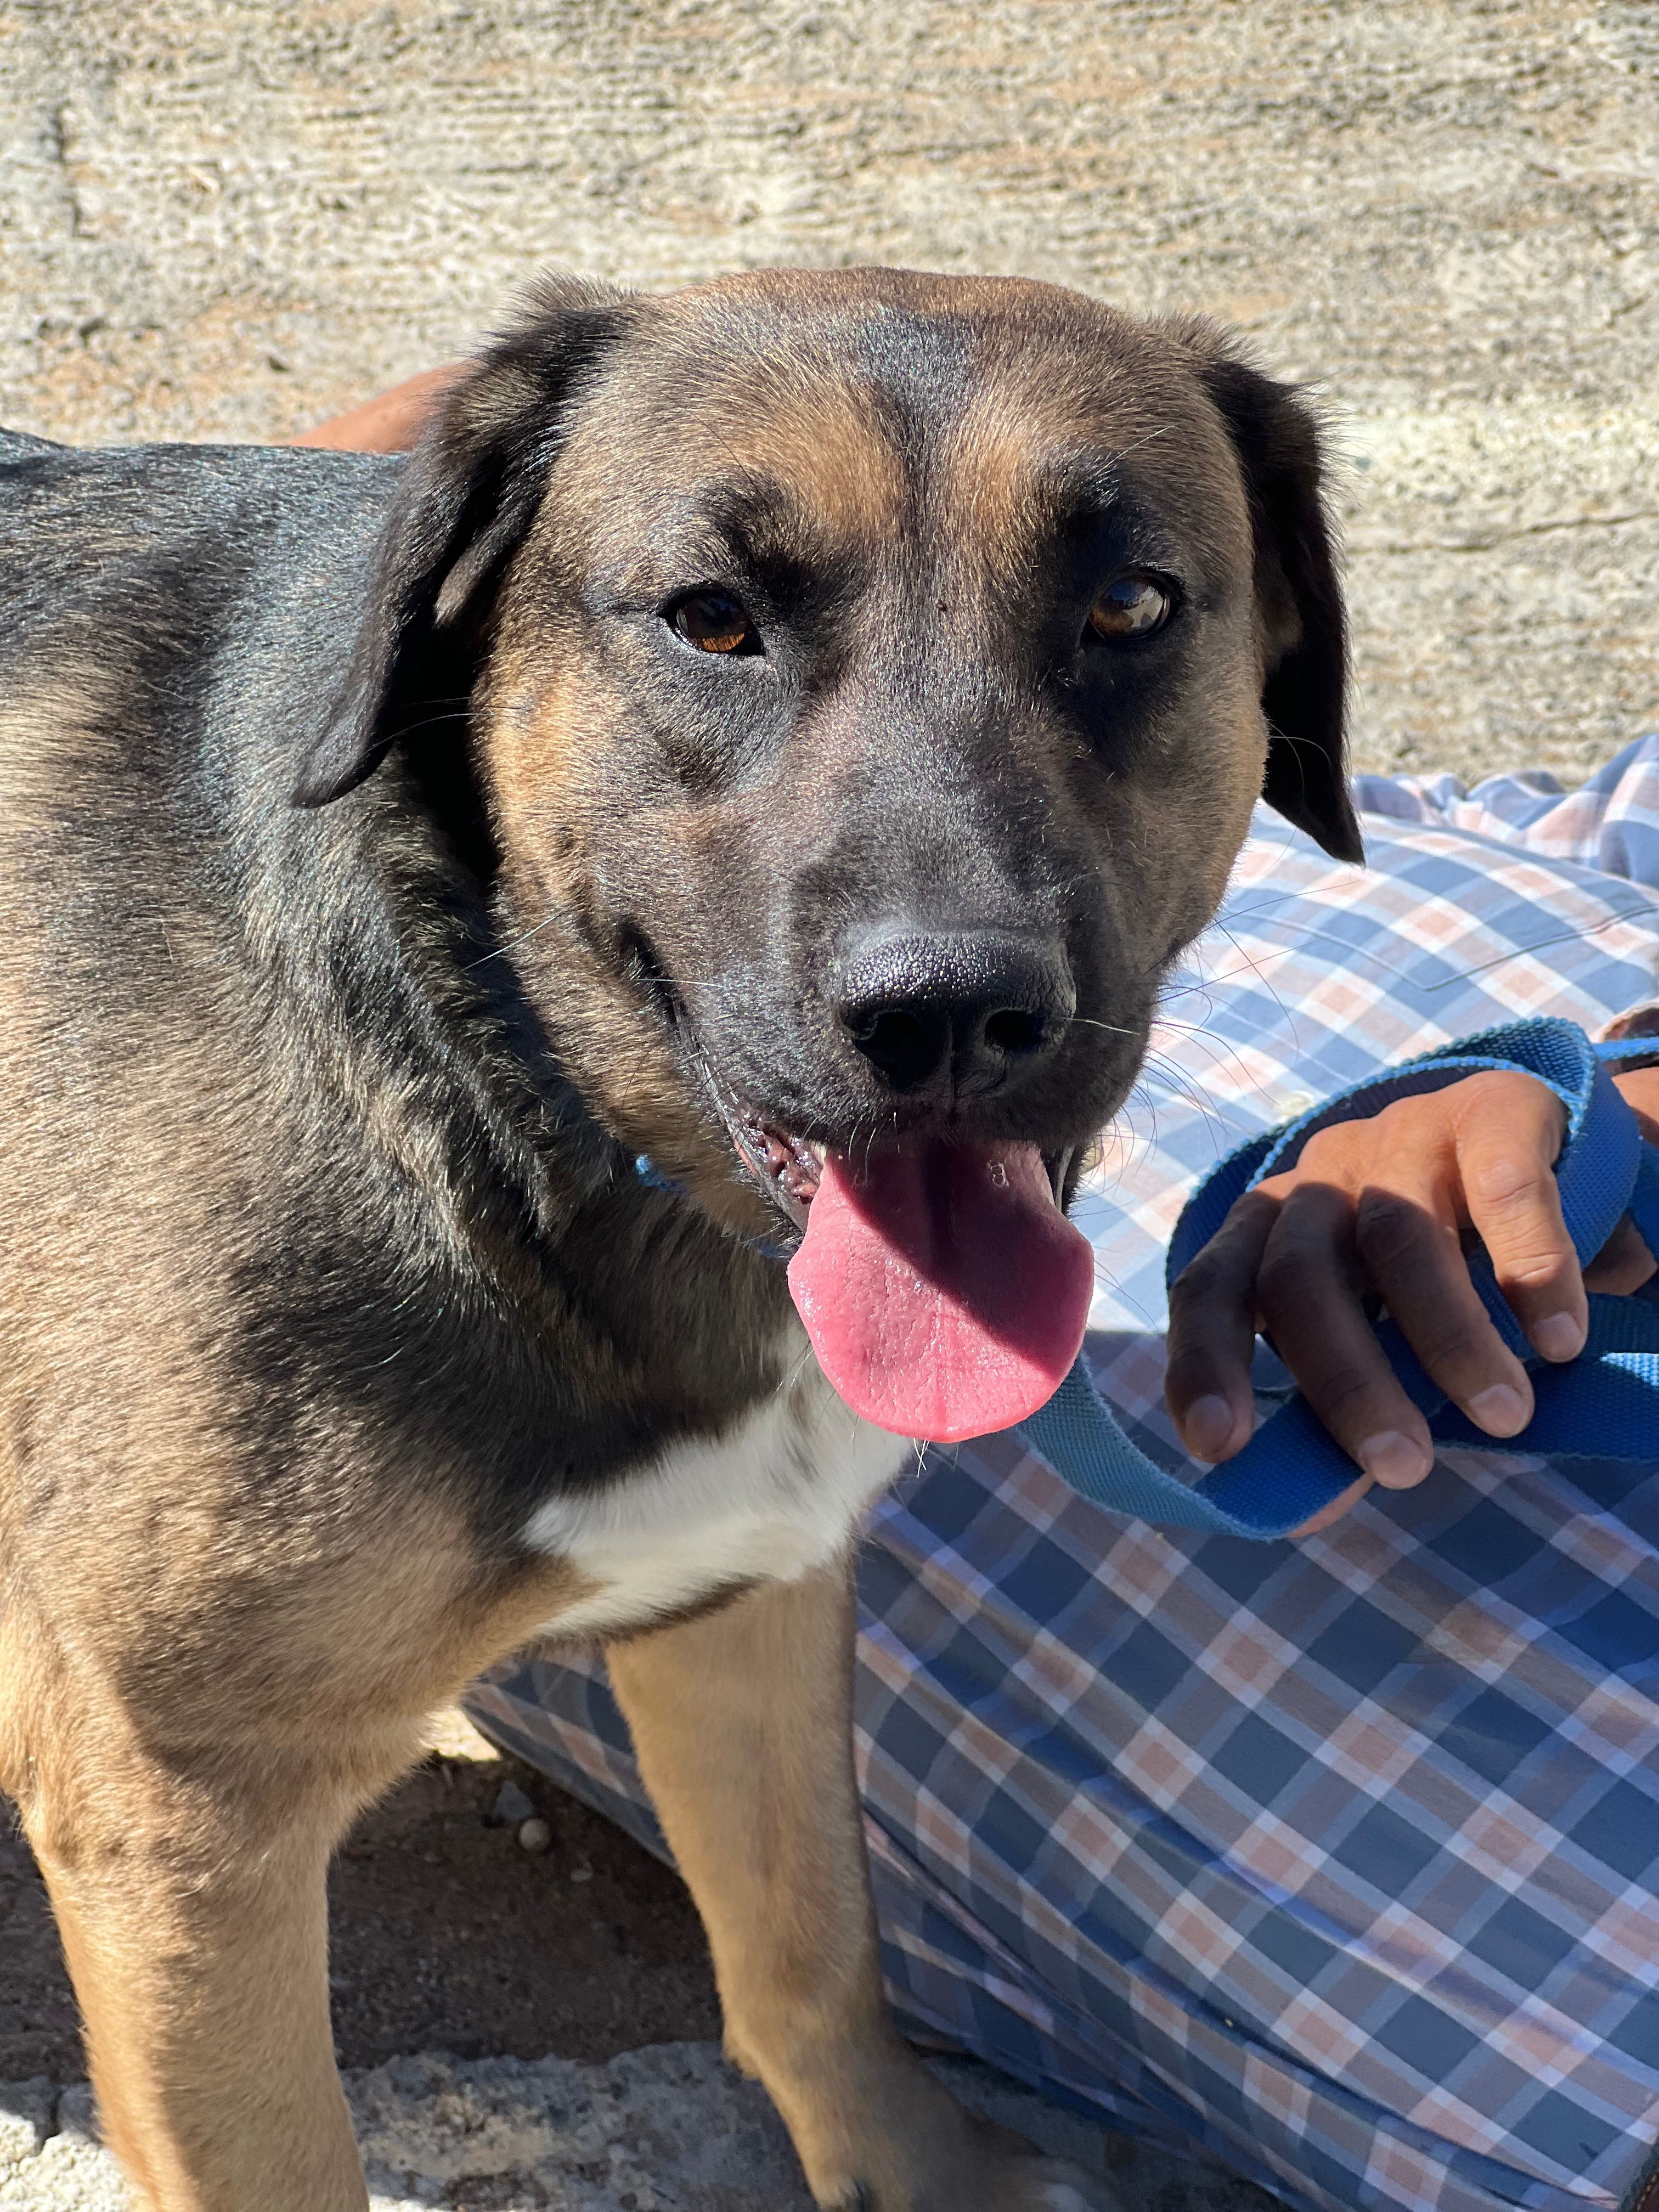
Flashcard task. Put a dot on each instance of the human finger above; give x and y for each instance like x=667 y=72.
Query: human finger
x=1206 y=1384
x=1339 y=1505
x=1308 y=1295
x=1507 y=1135
x=1623 y=1264
x=1411 y=1255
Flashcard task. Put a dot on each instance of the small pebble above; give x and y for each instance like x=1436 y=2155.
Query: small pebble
x=581 y=1874
x=534 y=1834
x=511 y=1805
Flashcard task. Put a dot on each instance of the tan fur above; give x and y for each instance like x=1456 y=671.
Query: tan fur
x=546 y=752
x=184 y=1840
x=816 y=436
x=762 y=1814
x=301 y=1238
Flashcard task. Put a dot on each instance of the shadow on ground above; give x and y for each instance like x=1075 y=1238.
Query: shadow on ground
x=444 y=1936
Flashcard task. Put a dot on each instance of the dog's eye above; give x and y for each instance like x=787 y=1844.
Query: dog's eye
x=1132 y=605
x=714 y=623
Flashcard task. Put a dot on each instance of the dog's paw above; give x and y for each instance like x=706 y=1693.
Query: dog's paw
x=1025 y=2183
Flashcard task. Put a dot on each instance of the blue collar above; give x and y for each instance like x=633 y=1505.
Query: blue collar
x=654 y=1179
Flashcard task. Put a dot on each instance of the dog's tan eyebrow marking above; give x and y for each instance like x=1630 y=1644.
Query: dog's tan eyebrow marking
x=1068 y=514
x=1032 y=417
x=757 y=523
x=1088 y=478
x=825 y=450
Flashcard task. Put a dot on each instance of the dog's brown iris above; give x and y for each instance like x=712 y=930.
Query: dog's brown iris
x=713 y=622
x=1132 y=605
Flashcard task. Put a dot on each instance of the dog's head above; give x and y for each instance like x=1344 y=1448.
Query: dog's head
x=872 y=675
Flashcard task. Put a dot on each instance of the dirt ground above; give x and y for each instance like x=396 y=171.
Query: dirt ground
x=444 y=1934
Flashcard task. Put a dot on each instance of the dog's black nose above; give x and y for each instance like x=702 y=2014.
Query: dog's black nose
x=965 y=1006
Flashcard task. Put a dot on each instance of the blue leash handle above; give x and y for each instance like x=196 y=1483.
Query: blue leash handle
x=1604 y=1404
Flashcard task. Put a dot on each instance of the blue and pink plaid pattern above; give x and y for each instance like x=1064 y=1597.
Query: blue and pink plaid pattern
x=1335 y=1861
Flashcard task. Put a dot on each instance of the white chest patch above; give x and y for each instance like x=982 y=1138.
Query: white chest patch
x=775 y=1498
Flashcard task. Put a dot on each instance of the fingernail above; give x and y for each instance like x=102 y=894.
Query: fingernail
x=1558 y=1336
x=1393 y=1459
x=1208 y=1426
x=1500 y=1411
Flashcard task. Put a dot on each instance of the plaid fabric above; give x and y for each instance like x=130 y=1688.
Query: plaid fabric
x=1334 y=1861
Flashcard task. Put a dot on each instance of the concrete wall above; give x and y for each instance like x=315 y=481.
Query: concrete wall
x=221 y=219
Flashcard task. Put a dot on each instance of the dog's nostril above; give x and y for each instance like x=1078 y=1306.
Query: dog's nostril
x=907 y=1047
x=1015 y=1029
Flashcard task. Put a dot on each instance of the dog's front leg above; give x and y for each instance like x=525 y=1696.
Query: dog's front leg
x=190 y=1896
x=742 y=1721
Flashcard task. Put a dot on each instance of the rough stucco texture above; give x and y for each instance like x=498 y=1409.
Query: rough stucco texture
x=221 y=219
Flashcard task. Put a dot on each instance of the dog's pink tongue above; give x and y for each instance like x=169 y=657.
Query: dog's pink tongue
x=944 y=1291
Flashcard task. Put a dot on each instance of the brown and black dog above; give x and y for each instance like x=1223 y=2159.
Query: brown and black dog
x=786 y=730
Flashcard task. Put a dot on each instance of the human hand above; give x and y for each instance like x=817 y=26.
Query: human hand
x=1386 y=1208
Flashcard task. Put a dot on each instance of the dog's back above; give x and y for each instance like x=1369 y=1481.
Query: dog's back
x=141 y=729
x=172 y=614
x=195 y=1229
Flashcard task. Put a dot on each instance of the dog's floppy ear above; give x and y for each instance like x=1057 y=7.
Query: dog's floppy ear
x=1300 y=615
x=470 y=492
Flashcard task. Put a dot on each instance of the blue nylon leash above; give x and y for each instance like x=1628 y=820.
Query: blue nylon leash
x=1604 y=1404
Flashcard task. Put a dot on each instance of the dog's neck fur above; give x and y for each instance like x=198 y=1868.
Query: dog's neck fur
x=628 y=1296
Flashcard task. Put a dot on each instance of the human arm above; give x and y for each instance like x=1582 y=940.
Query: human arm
x=392 y=422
